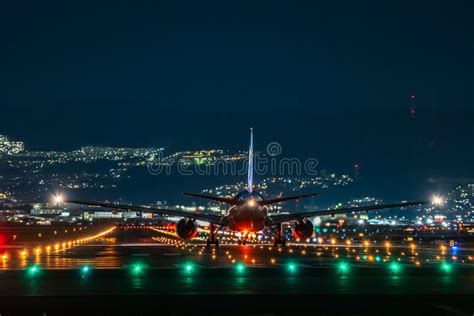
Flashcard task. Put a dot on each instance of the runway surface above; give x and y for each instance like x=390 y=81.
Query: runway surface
x=140 y=261
x=119 y=248
x=144 y=265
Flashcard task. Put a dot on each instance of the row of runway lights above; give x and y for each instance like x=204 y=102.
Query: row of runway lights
x=60 y=246
x=369 y=258
x=313 y=241
x=365 y=257
x=189 y=268
x=228 y=237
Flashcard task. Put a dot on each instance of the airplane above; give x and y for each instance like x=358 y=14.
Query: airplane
x=248 y=212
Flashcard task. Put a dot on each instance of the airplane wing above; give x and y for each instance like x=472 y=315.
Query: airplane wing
x=214 y=219
x=276 y=219
x=215 y=198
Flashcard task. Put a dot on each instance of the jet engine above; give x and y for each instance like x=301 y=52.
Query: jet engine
x=186 y=228
x=304 y=229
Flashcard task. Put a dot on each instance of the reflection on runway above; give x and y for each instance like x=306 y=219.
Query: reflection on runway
x=149 y=261
x=118 y=248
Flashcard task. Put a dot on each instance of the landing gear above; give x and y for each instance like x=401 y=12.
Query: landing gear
x=212 y=239
x=242 y=241
x=279 y=239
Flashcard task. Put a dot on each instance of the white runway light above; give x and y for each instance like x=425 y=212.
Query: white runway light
x=437 y=200
x=58 y=199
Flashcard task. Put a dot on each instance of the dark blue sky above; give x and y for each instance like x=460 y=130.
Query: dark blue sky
x=331 y=79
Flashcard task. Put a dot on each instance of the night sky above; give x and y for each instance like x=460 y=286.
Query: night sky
x=331 y=80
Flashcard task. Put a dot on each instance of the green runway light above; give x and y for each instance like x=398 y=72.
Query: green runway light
x=291 y=267
x=446 y=267
x=33 y=270
x=137 y=269
x=188 y=267
x=240 y=267
x=395 y=267
x=85 y=269
x=378 y=259
x=343 y=267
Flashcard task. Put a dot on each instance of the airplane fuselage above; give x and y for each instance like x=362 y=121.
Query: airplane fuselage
x=246 y=219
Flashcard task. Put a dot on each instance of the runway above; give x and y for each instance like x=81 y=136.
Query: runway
x=153 y=269
x=161 y=249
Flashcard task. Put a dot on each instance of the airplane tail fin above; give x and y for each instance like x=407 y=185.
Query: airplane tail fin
x=250 y=168
x=232 y=201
